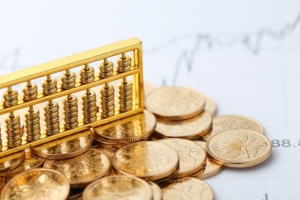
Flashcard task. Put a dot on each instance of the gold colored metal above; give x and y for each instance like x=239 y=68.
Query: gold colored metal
x=51 y=112
x=186 y=188
x=49 y=86
x=148 y=160
x=191 y=156
x=32 y=121
x=125 y=89
x=118 y=187
x=210 y=106
x=67 y=147
x=132 y=129
x=156 y=191
x=209 y=169
x=84 y=169
x=188 y=129
x=51 y=92
x=231 y=122
x=149 y=87
x=175 y=103
x=89 y=104
x=39 y=184
x=239 y=148
x=11 y=162
x=31 y=161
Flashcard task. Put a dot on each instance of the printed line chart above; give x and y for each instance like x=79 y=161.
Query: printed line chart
x=250 y=42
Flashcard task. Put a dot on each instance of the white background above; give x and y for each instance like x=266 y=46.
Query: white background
x=244 y=54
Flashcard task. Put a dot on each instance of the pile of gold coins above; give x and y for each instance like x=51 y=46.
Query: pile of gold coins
x=162 y=153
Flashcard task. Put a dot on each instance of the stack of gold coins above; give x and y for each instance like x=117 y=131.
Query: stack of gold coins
x=164 y=152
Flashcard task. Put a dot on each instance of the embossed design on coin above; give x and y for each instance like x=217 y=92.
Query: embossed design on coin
x=189 y=129
x=175 y=103
x=37 y=184
x=31 y=161
x=239 y=148
x=210 y=106
x=67 y=147
x=186 y=188
x=118 y=187
x=231 y=122
x=148 y=160
x=84 y=169
x=131 y=129
x=191 y=156
x=11 y=161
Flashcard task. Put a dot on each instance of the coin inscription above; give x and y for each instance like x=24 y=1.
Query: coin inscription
x=239 y=148
x=191 y=156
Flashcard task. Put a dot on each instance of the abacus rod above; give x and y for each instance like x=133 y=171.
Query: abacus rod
x=78 y=87
x=81 y=127
x=69 y=62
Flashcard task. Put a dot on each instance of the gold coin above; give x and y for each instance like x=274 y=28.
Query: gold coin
x=11 y=161
x=31 y=161
x=149 y=87
x=189 y=129
x=186 y=188
x=118 y=187
x=156 y=191
x=175 y=103
x=239 y=148
x=148 y=160
x=109 y=152
x=191 y=156
x=3 y=181
x=107 y=144
x=83 y=169
x=210 y=106
x=209 y=169
x=131 y=129
x=37 y=184
x=67 y=147
x=231 y=122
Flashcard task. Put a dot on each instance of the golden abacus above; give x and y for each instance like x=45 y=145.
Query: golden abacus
x=130 y=95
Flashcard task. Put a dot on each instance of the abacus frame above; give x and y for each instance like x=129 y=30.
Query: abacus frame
x=73 y=61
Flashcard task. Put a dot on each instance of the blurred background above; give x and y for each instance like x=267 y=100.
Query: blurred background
x=244 y=54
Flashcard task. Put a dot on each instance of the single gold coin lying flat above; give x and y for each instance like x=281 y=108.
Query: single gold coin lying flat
x=128 y=130
x=239 y=148
x=209 y=169
x=189 y=129
x=191 y=156
x=67 y=147
x=118 y=187
x=231 y=122
x=148 y=160
x=37 y=184
x=12 y=161
x=210 y=106
x=186 y=188
x=156 y=191
x=31 y=161
x=83 y=169
x=175 y=103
